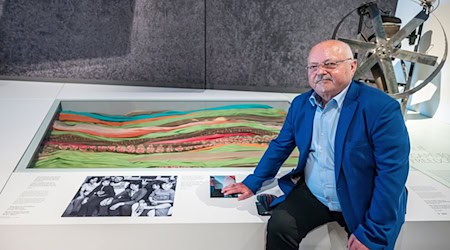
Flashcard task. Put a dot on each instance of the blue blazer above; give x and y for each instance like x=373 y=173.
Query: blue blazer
x=371 y=161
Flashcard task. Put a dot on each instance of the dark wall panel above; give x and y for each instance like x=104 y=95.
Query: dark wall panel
x=263 y=45
x=40 y=32
x=139 y=42
x=257 y=45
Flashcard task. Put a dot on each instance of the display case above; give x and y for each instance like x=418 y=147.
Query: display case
x=98 y=134
x=43 y=201
x=33 y=200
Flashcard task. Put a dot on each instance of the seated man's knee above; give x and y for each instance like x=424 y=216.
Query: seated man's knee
x=283 y=225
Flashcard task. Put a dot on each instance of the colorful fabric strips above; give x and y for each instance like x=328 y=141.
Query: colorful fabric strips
x=225 y=136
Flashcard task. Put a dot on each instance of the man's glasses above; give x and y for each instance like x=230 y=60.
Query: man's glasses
x=326 y=65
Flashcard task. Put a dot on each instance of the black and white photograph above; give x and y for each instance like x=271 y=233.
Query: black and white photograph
x=123 y=196
x=217 y=182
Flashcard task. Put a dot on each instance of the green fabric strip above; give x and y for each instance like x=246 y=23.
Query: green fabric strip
x=121 y=118
x=174 y=132
x=203 y=114
x=74 y=159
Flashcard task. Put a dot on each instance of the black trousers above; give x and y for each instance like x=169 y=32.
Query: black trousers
x=294 y=218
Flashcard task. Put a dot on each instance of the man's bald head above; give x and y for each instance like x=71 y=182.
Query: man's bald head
x=339 y=48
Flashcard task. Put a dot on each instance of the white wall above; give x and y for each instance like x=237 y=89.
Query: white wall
x=438 y=89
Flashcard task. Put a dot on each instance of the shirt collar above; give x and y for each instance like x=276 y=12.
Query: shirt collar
x=316 y=100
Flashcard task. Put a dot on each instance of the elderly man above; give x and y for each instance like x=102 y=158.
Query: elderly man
x=353 y=163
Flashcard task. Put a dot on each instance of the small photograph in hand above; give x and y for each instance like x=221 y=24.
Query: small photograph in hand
x=217 y=182
x=263 y=202
x=263 y=211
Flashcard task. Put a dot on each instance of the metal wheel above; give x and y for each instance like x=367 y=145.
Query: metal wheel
x=382 y=50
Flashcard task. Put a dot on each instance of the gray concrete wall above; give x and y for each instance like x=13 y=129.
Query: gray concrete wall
x=257 y=45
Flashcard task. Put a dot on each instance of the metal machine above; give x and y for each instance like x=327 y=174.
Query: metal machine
x=377 y=52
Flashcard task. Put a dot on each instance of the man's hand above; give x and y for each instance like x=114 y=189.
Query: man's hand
x=355 y=244
x=238 y=188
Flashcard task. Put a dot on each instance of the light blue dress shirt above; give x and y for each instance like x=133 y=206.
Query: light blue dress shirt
x=319 y=169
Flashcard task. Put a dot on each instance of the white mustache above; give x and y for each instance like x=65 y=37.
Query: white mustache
x=322 y=77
